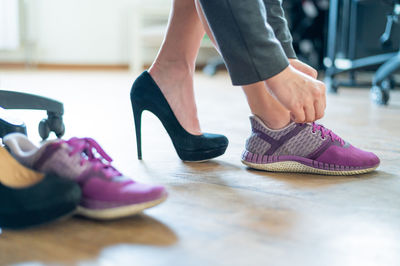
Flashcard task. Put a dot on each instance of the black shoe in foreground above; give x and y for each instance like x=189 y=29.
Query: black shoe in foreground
x=146 y=95
x=46 y=201
x=27 y=198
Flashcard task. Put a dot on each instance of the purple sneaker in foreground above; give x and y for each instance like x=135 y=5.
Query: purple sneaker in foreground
x=304 y=148
x=106 y=193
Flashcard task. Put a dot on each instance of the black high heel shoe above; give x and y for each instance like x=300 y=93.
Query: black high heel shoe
x=146 y=95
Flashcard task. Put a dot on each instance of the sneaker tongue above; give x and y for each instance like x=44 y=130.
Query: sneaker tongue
x=46 y=151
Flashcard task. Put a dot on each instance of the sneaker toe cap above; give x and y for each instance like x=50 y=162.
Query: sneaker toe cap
x=144 y=192
x=349 y=156
x=125 y=192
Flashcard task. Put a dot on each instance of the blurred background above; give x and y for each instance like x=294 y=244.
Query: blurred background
x=124 y=33
x=353 y=43
x=84 y=55
x=120 y=33
x=127 y=33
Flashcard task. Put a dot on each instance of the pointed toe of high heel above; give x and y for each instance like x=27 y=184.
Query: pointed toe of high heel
x=203 y=148
x=146 y=95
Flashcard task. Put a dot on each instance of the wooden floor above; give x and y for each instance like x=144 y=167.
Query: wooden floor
x=218 y=212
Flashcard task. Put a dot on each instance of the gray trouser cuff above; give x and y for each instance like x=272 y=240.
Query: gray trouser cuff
x=246 y=41
x=289 y=51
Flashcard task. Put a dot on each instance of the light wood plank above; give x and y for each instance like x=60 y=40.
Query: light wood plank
x=218 y=212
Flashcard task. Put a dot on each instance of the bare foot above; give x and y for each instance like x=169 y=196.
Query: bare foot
x=176 y=83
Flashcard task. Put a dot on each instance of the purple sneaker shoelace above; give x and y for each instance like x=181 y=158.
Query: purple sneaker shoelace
x=87 y=148
x=326 y=132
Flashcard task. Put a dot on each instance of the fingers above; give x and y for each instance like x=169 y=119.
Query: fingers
x=298 y=115
x=309 y=113
x=316 y=108
x=312 y=72
x=312 y=106
x=304 y=115
x=301 y=94
x=306 y=69
x=320 y=101
x=323 y=101
x=319 y=109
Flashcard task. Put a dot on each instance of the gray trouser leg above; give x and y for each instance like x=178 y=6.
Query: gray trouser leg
x=276 y=18
x=246 y=41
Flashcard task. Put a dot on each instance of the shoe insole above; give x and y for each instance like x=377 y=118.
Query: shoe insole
x=15 y=175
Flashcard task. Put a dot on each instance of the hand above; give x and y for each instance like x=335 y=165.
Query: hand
x=301 y=94
x=302 y=67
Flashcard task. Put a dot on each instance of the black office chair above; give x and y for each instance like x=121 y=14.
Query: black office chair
x=341 y=52
x=19 y=100
x=382 y=81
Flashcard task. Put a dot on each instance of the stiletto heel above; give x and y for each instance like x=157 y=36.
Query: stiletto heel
x=137 y=114
x=146 y=95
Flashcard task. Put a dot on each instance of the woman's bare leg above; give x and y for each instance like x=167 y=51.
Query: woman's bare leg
x=173 y=69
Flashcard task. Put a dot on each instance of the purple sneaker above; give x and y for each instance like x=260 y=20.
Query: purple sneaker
x=304 y=148
x=106 y=193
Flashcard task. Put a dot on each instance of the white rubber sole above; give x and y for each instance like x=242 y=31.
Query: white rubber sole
x=118 y=212
x=296 y=167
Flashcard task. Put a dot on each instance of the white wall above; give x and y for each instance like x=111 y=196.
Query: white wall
x=77 y=32
x=74 y=32
x=83 y=31
x=9 y=24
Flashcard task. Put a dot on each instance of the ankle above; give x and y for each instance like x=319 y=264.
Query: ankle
x=180 y=69
x=162 y=71
x=275 y=120
x=175 y=80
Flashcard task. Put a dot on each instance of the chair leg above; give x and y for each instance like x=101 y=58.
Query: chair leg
x=381 y=83
x=386 y=70
x=26 y=101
